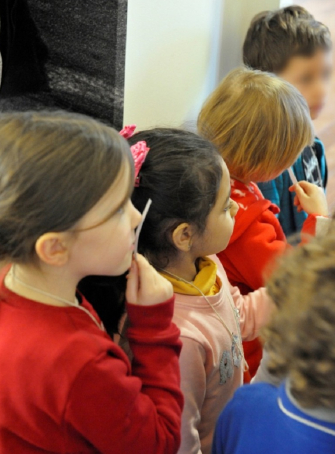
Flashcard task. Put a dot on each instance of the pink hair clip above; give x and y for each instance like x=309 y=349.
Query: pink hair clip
x=139 y=151
x=127 y=131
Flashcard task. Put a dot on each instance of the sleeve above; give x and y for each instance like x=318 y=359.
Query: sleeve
x=220 y=435
x=226 y=436
x=254 y=250
x=255 y=311
x=317 y=226
x=119 y=412
x=321 y=156
x=193 y=385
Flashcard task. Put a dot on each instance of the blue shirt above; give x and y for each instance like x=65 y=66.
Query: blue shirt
x=254 y=423
x=277 y=190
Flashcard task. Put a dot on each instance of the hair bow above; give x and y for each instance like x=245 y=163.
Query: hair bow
x=127 y=131
x=139 y=151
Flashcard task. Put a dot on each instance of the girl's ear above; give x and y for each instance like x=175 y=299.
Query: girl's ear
x=182 y=237
x=53 y=248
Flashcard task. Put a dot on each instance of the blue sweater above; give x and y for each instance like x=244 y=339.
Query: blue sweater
x=277 y=191
x=253 y=423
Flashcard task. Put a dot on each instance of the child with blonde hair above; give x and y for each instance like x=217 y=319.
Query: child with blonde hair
x=259 y=123
x=192 y=218
x=299 y=416
x=65 y=213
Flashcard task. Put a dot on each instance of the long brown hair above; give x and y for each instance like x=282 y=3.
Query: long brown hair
x=54 y=167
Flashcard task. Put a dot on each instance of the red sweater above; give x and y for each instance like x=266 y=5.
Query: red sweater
x=257 y=240
x=66 y=387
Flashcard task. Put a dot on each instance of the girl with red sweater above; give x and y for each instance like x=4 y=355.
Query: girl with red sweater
x=260 y=124
x=65 y=213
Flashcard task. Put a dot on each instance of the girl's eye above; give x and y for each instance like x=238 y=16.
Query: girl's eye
x=306 y=79
x=326 y=74
x=121 y=209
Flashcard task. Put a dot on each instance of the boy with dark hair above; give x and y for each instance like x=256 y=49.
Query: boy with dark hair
x=292 y=44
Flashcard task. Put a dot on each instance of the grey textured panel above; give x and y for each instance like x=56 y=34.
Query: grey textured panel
x=67 y=54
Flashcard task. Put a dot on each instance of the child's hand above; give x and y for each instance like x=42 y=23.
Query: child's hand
x=310 y=198
x=145 y=286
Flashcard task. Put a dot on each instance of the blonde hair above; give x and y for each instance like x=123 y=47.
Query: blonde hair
x=300 y=338
x=259 y=123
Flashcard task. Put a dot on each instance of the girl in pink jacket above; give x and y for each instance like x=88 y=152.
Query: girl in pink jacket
x=192 y=218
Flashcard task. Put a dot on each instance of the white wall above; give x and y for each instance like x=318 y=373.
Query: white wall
x=176 y=53
x=236 y=21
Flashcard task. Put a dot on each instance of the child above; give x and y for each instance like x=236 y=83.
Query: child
x=259 y=124
x=299 y=417
x=292 y=44
x=191 y=217
x=65 y=213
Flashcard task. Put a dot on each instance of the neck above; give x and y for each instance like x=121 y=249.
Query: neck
x=52 y=280
x=184 y=267
x=239 y=179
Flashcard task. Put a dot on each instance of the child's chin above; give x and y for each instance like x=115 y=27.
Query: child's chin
x=315 y=113
x=122 y=268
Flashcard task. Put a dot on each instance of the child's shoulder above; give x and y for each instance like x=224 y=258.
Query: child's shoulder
x=247 y=195
x=252 y=206
x=262 y=396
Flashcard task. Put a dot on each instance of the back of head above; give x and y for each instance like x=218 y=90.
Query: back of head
x=54 y=167
x=275 y=36
x=258 y=122
x=300 y=337
x=181 y=174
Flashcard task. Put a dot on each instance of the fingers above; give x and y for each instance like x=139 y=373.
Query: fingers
x=309 y=198
x=304 y=187
x=144 y=268
x=132 y=283
x=145 y=285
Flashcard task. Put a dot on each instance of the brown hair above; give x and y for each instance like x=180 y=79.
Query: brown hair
x=258 y=122
x=300 y=338
x=54 y=167
x=275 y=36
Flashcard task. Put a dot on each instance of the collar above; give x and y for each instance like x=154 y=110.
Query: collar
x=320 y=419
x=206 y=280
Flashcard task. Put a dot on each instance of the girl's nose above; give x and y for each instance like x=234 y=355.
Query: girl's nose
x=136 y=216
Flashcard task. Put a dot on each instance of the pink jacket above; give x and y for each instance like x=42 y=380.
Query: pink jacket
x=209 y=376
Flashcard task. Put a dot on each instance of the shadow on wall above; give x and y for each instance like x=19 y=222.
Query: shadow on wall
x=237 y=16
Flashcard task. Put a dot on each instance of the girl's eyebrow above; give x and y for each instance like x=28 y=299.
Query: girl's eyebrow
x=106 y=218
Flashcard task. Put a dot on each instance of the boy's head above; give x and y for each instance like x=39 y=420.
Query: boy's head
x=292 y=44
x=300 y=338
x=258 y=122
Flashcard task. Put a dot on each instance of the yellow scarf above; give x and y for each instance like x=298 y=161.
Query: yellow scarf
x=206 y=280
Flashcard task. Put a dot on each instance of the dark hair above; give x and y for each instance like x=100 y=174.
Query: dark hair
x=275 y=36
x=182 y=175
x=54 y=167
